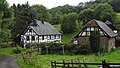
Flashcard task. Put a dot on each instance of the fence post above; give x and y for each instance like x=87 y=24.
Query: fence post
x=63 y=63
x=55 y=64
x=103 y=64
x=72 y=62
x=46 y=49
x=63 y=50
x=52 y=66
x=79 y=63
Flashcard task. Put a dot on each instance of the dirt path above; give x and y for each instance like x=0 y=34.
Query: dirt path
x=8 y=62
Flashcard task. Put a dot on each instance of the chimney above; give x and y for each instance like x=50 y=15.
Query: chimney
x=34 y=22
x=42 y=21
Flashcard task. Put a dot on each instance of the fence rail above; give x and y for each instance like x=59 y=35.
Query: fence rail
x=71 y=64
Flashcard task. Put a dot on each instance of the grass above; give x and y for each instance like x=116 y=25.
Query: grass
x=68 y=37
x=7 y=51
x=117 y=17
x=109 y=57
x=58 y=27
x=45 y=60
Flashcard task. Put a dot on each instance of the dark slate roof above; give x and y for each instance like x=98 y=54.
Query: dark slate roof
x=108 y=23
x=44 y=28
x=105 y=28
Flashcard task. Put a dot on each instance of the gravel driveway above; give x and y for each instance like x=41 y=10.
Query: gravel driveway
x=8 y=62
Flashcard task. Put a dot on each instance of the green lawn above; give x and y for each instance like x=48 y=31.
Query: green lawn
x=109 y=57
x=7 y=51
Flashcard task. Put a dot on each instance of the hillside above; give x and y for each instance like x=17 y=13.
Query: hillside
x=65 y=37
x=117 y=17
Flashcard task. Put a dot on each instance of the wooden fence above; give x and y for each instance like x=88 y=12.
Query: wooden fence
x=78 y=64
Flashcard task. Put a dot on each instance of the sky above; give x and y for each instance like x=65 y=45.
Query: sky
x=47 y=3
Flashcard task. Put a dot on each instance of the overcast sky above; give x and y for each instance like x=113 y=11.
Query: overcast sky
x=48 y=3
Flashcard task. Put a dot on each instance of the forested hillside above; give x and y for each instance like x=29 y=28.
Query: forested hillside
x=15 y=18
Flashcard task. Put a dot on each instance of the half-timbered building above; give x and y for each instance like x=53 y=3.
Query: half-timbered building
x=39 y=31
x=107 y=35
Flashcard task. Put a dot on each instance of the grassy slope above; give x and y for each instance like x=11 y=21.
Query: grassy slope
x=65 y=37
x=117 y=17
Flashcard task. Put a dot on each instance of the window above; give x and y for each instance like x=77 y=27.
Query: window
x=84 y=34
x=28 y=38
x=57 y=36
x=30 y=30
x=52 y=37
x=88 y=29
x=88 y=33
x=33 y=37
x=96 y=28
x=48 y=37
x=92 y=28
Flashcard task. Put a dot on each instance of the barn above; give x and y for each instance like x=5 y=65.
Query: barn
x=107 y=35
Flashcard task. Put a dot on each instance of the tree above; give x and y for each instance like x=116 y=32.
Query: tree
x=104 y=11
x=22 y=17
x=4 y=35
x=94 y=41
x=86 y=15
x=42 y=12
x=5 y=21
x=56 y=19
x=65 y=9
x=69 y=23
x=5 y=14
x=115 y=4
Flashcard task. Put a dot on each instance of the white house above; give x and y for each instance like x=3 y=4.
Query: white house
x=40 y=31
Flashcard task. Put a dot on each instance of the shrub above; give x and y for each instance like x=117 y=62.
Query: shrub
x=3 y=45
x=83 y=48
x=103 y=48
x=54 y=48
x=17 y=50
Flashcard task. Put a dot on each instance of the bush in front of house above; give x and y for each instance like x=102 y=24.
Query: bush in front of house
x=53 y=48
x=17 y=50
x=84 y=48
x=103 y=48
